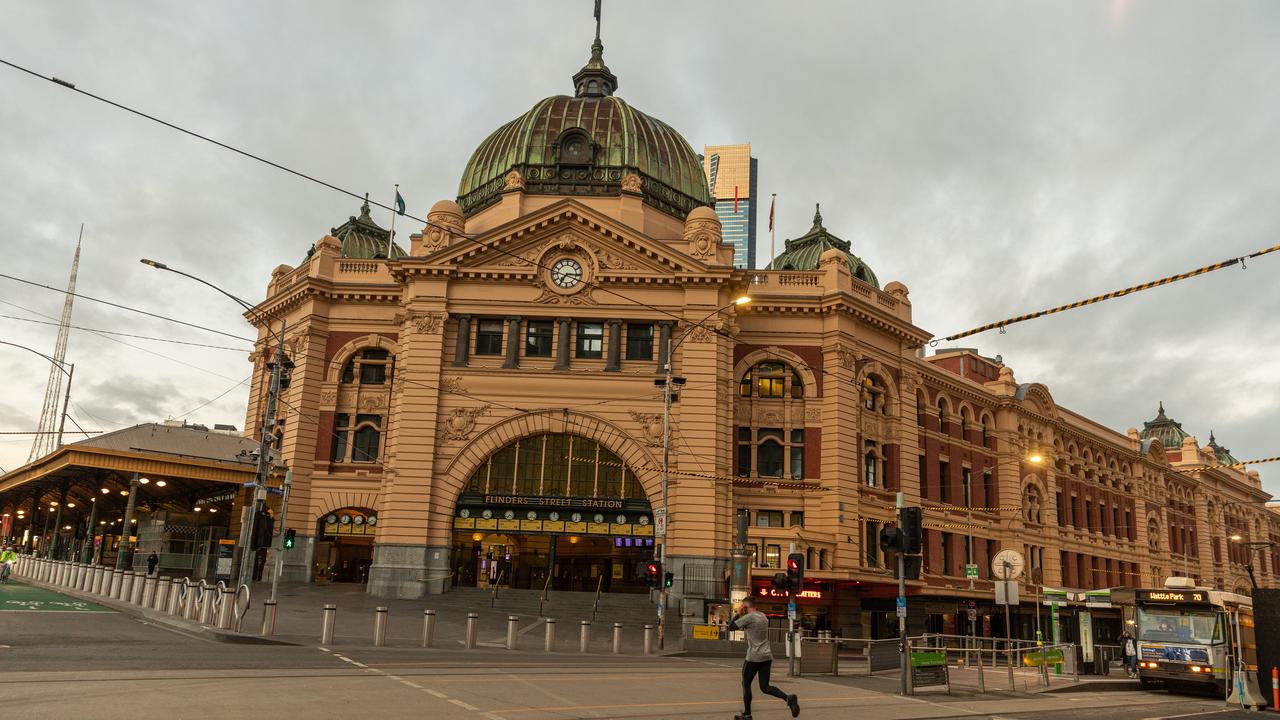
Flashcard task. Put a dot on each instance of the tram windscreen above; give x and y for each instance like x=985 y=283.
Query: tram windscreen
x=1159 y=624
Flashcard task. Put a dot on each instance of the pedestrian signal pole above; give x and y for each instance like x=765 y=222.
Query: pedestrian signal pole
x=903 y=663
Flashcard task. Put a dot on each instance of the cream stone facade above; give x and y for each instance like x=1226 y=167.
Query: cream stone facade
x=533 y=325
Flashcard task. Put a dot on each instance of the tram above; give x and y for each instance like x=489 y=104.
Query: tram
x=1193 y=637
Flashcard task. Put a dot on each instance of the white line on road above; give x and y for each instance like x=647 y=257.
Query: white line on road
x=437 y=693
x=1206 y=712
x=463 y=705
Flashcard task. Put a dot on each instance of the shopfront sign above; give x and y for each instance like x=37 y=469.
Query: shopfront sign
x=771 y=592
x=551 y=501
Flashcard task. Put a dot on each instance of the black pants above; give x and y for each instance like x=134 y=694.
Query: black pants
x=749 y=671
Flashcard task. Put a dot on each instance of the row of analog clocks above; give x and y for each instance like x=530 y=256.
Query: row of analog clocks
x=552 y=516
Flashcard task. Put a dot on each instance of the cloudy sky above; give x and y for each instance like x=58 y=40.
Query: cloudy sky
x=997 y=157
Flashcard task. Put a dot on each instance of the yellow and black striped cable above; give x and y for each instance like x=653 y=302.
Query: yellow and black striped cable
x=1108 y=296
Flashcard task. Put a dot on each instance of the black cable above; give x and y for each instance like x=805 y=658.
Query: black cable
x=121 y=334
x=122 y=307
x=329 y=185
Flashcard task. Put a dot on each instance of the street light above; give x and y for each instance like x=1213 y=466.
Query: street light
x=1250 y=547
x=67 y=369
x=667 y=382
x=267 y=434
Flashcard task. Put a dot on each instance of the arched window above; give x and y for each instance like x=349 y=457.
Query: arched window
x=921 y=408
x=869 y=469
x=964 y=423
x=556 y=464
x=986 y=430
x=943 y=426
x=372 y=366
x=1031 y=505
x=770 y=380
x=875 y=396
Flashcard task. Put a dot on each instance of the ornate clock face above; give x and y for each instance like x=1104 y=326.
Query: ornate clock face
x=566 y=273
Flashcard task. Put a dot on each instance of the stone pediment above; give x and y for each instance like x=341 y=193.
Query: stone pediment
x=602 y=245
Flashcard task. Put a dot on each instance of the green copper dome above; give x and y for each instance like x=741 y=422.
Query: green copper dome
x=362 y=238
x=1169 y=432
x=587 y=144
x=1224 y=455
x=803 y=252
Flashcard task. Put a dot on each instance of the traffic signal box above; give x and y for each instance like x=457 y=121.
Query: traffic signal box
x=904 y=539
x=652 y=573
x=795 y=572
x=290 y=537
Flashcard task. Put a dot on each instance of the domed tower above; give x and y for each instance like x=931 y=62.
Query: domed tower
x=804 y=252
x=592 y=144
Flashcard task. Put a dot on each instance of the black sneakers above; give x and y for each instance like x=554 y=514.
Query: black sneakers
x=793 y=702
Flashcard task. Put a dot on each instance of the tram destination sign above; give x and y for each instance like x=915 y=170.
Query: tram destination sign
x=1200 y=597
x=552 y=501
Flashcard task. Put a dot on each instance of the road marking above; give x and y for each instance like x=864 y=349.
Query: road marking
x=437 y=693
x=1206 y=712
x=504 y=711
x=549 y=693
x=463 y=705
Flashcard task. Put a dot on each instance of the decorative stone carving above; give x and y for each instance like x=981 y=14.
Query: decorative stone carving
x=328 y=397
x=613 y=262
x=582 y=297
x=631 y=183
x=443 y=222
x=650 y=426
x=346 y=396
x=373 y=402
x=514 y=181
x=430 y=323
x=461 y=423
x=813 y=414
x=845 y=356
x=771 y=417
x=701 y=334
x=453 y=385
x=300 y=342
x=702 y=233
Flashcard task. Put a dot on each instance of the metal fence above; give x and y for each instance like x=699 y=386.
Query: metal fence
x=703 y=580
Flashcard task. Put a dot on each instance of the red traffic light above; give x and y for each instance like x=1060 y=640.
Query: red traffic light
x=792 y=565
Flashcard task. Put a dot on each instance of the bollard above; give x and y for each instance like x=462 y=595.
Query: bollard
x=208 y=605
x=160 y=601
x=617 y=638
x=1275 y=689
x=77 y=576
x=380 y=627
x=148 y=591
x=175 y=596
x=269 y=618
x=512 y=622
x=330 y=620
x=113 y=591
x=189 y=603
x=139 y=580
x=1009 y=655
x=549 y=643
x=471 y=630
x=584 y=637
x=428 y=628
x=226 y=609
x=982 y=684
x=126 y=586
x=63 y=567
x=99 y=574
x=648 y=639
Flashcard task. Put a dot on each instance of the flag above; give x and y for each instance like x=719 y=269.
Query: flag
x=399 y=203
x=771 y=204
x=735 y=198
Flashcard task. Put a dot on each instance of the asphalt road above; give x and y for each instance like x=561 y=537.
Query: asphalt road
x=86 y=663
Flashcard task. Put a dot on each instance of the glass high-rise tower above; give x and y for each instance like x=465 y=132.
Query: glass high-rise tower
x=731 y=175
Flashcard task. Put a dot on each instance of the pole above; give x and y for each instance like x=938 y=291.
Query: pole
x=278 y=541
x=903 y=663
x=773 y=223
x=127 y=530
x=666 y=466
x=86 y=552
x=395 y=206
x=66 y=400
x=264 y=465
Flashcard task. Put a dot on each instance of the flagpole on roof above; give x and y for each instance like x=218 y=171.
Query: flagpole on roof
x=395 y=205
x=773 y=234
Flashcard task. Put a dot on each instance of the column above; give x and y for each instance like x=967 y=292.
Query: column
x=462 y=346
x=513 y=343
x=614 y=362
x=664 y=342
x=562 y=343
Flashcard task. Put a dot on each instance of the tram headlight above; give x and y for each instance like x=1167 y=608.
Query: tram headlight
x=1196 y=668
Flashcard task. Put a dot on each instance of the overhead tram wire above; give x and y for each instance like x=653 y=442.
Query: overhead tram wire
x=1111 y=295
x=310 y=178
x=123 y=307
x=121 y=334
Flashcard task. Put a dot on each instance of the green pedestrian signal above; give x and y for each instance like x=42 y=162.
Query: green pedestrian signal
x=668 y=579
x=289 y=536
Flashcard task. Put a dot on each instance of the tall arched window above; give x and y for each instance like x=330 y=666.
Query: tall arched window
x=964 y=423
x=556 y=464
x=771 y=380
x=943 y=425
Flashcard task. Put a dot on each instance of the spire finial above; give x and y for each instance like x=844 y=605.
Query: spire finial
x=1211 y=440
x=364 y=209
x=817 y=215
x=595 y=79
x=1161 y=408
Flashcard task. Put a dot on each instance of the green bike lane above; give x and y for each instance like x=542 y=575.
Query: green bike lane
x=20 y=597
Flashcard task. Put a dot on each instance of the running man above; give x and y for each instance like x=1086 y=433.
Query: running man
x=759 y=657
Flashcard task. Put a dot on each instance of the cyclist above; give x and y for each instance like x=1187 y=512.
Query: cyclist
x=7 y=558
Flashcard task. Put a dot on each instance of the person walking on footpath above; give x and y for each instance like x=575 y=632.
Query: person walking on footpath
x=153 y=561
x=1130 y=650
x=759 y=657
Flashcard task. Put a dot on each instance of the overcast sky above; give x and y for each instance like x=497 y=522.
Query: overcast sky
x=997 y=157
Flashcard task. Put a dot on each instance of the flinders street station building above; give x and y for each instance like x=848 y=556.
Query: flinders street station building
x=478 y=407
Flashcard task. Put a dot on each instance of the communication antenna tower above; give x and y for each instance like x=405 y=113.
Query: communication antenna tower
x=49 y=437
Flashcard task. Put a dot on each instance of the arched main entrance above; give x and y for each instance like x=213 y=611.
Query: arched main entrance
x=555 y=509
x=344 y=545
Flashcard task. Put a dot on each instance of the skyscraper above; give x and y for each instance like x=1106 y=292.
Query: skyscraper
x=731 y=176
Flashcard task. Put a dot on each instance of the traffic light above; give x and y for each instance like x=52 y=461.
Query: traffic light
x=909 y=522
x=795 y=572
x=890 y=539
x=263 y=529
x=289 y=536
x=779 y=582
x=651 y=573
x=910 y=567
x=668 y=579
